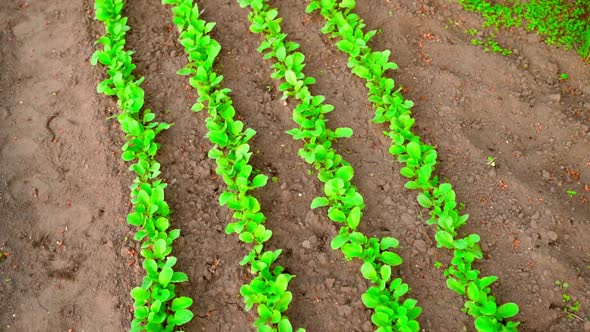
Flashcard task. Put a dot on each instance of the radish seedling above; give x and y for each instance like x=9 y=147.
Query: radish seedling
x=491 y=162
x=157 y=308
x=231 y=152
x=419 y=161
x=343 y=201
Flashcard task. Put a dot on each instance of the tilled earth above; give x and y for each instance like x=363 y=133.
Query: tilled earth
x=70 y=261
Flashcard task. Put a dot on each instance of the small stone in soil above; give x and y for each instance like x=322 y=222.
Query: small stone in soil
x=420 y=246
x=306 y=244
x=330 y=282
x=555 y=97
x=552 y=236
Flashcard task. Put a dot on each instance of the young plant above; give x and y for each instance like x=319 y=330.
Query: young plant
x=419 y=160
x=231 y=151
x=571 y=193
x=571 y=307
x=491 y=45
x=562 y=22
x=157 y=308
x=491 y=162
x=345 y=204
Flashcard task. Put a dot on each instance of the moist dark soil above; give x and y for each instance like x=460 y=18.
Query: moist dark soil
x=67 y=258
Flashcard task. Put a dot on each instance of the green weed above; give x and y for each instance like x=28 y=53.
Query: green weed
x=491 y=161
x=490 y=45
x=571 y=307
x=561 y=22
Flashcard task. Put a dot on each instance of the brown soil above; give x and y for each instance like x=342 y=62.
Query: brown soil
x=64 y=196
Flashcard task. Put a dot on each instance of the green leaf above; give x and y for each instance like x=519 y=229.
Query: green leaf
x=225 y=197
x=489 y=308
x=135 y=219
x=385 y=272
x=460 y=244
x=182 y=302
x=354 y=218
x=389 y=242
x=290 y=77
x=343 y=132
x=264 y=312
x=312 y=6
x=337 y=215
x=352 y=250
x=370 y=300
x=185 y=71
x=508 y=310
x=179 y=277
x=362 y=72
x=413 y=150
x=407 y=172
x=139 y=294
x=368 y=271
x=456 y=286
x=160 y=247
x=349 y=4
x=162 y=224
x=424 y=201
x=444 y=239
x=141 y=312
x=247 y=237
x=485 y=324
x=401 y=290
x=338 y=241
x=345 y=46
x=165 y=276
x=380 y=319
x=283 y=303
x=391 y=258
x=285 y=325
x=345 y=173
x=319 y=202
x=128 y=155
x=151 y=267
x=472 y=291
x=182 y=316
x=259 y=180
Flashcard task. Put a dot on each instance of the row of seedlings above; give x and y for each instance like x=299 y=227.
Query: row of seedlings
x=231 y=152
x=420 y=159
x=157 y=307
x=345 y=204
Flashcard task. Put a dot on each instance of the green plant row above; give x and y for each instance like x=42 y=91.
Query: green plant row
x=562 y=22
x=345 y=204
x=420 y=160
x=157 y=308
x=231 y=151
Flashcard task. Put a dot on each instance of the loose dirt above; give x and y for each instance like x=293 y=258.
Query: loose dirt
x=70 y=262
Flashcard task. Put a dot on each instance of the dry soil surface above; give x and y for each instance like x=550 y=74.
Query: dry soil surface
x=68 y=261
